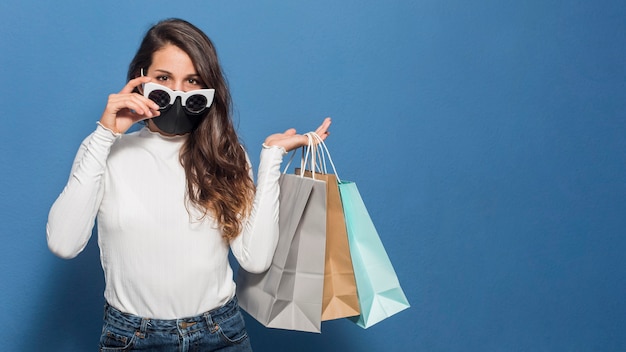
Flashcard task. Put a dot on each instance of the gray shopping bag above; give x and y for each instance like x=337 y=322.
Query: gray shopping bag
x=289 y=294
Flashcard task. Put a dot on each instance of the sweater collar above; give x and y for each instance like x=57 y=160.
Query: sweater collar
x=145 y=132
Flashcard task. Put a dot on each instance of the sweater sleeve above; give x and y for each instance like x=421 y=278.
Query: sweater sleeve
x=254 y=247
x=71 y=218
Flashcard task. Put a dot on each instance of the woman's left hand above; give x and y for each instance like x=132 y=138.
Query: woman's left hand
x=290 y=140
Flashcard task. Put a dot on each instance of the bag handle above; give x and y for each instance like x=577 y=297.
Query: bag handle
x=309 y=156
x=317 y=151
x=322 y=151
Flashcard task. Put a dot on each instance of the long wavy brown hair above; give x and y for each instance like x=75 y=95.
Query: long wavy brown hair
x=215 y=163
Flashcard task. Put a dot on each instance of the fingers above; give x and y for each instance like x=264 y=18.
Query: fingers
x=125 y=108
x=133 y=102
x=137 y=102
x=291 y=140
x=322 y=131
x=290 y=132
x=134 y=83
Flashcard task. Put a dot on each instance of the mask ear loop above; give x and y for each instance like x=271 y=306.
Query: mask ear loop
x=144 y=122
x=142 y=85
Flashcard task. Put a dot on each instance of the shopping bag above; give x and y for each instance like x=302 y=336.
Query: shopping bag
x=380 y=294
x=289 y=294
x=340 y=294
x=340 y=298
x=379 y=291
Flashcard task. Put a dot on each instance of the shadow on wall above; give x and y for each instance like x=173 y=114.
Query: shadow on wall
x=70 y=315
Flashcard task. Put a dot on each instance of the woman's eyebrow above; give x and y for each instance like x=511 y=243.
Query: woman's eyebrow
x=163 y=71
x=191 y=75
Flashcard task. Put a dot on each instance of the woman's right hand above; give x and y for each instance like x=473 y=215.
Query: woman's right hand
x=126 y=108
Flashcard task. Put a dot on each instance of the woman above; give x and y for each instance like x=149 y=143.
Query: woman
x=171 y=200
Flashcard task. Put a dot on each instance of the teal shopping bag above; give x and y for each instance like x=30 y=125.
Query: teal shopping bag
x=378 y=288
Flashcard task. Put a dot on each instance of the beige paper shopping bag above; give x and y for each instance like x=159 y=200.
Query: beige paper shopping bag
x=340 y=295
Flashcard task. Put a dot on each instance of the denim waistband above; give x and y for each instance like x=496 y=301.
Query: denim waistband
x=207 y=320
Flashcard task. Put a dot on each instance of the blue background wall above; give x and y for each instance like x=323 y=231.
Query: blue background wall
x=487 y=138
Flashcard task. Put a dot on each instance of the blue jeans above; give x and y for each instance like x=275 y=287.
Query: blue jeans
x=221 y=329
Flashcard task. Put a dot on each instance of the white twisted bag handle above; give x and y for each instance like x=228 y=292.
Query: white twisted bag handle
x=309 y=154
x=321 y=152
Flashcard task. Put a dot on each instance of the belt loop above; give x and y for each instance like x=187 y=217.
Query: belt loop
x=144 y=326
x=209 y=322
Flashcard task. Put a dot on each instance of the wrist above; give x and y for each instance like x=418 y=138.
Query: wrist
x=113 y=131
x=281 y=148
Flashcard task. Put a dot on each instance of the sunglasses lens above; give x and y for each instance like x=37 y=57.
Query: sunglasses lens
x=160 y=97
x=196 y=103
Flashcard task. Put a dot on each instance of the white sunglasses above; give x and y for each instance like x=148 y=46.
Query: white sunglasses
x=194 y=101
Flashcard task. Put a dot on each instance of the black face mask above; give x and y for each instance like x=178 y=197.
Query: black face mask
x=175 y=119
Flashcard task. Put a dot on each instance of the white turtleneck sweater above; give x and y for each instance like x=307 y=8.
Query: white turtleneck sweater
x=160 y=259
